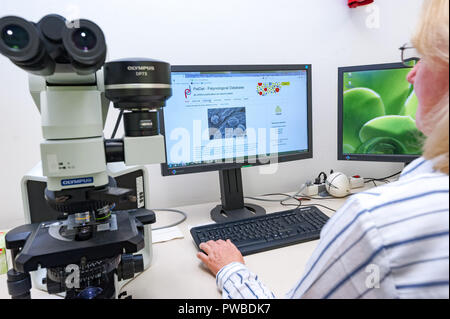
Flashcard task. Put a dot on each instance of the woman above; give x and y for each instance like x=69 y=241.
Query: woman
x=393 y=242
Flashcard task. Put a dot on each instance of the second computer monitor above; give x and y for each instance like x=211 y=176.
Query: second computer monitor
x=376 y=114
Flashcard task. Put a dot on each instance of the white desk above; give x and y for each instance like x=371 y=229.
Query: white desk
x=176 y=273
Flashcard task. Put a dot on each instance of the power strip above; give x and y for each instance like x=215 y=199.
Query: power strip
x=314 y=189
x=356 y=181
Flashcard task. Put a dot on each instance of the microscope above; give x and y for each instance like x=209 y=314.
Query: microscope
x=91 y=245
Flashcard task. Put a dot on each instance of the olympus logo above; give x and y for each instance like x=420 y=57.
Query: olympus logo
x=77 y=181
x=141 y=68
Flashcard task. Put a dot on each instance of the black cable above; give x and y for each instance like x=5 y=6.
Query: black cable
x=303 y=205
x=296 y=206
x=376 y=180
x=391 y=175
x=317 y=180
x=371 y=179
x=321 y=206
x=309 y=197
x=282 y=202
x=119 y=118
x=328 y=197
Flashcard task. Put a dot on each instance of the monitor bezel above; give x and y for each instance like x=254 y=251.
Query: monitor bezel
x=365 y=157
x=166 y=171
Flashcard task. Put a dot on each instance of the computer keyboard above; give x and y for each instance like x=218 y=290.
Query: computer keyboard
x=261 y=233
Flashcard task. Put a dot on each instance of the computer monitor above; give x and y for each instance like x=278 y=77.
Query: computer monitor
x=222 y=118
x=376 y=114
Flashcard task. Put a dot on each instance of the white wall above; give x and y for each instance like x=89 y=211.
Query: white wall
x=325 y=33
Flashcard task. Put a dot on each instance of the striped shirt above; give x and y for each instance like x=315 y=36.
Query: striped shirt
x=388 y=242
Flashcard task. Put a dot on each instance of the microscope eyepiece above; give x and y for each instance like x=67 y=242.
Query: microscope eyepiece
x=15 y=37
x=19 y=39
x=84 y=39
x=85 y=45
x=21 y=43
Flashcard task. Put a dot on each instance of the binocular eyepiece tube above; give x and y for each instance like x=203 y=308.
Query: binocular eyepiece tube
x=40 y=48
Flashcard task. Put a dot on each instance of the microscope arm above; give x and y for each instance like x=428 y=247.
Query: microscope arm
x=38 y=84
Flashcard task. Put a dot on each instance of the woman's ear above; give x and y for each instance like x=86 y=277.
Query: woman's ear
x=411 y=77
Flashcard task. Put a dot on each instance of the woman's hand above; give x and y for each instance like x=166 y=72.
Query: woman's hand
x=219 y=254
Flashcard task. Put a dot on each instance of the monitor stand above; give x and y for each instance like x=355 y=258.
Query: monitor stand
x=232 y=197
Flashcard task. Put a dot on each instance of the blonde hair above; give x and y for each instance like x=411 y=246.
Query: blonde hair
x=431 y=39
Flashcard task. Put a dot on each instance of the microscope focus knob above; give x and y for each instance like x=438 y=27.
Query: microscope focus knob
x=129 y=265
x=19 y=284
